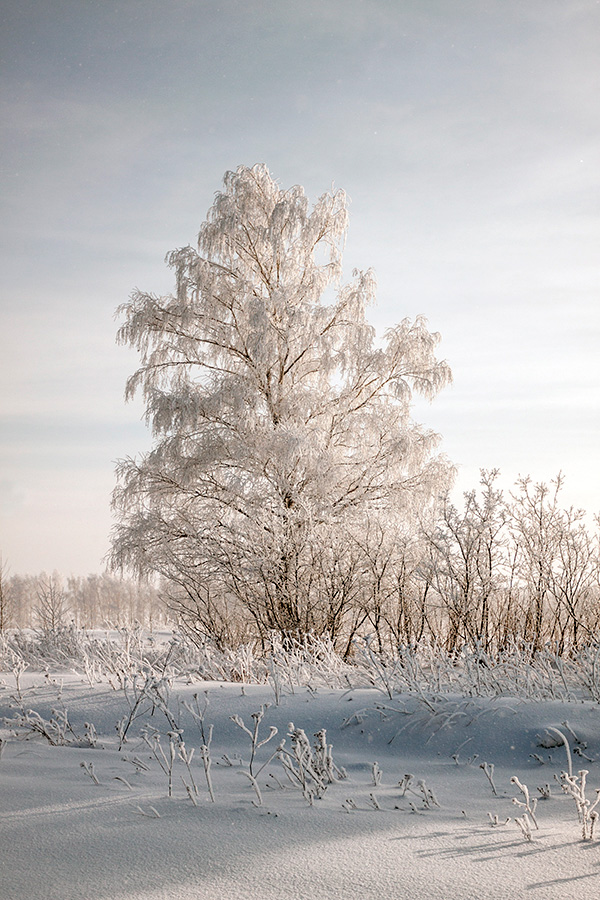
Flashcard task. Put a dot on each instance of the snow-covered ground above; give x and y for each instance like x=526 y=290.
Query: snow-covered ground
x=64 y=836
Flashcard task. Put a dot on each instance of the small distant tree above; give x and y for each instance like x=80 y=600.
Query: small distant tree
x=52 y=608
x=5 y=597
x=535 y=525
x=467 y=561
x=282 y=427
x=557 y=562
x=20 y=591
x=575 y=581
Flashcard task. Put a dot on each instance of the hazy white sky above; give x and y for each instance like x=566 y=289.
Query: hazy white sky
x=466 y=133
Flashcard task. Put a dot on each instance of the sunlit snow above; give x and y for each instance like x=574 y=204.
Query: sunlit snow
x=375 y=833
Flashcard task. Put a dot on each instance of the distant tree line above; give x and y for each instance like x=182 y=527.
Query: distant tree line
x=50 y=602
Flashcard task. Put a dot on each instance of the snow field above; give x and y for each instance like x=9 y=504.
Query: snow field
x=64 y=836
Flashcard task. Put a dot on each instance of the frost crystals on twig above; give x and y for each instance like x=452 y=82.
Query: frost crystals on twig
x=524 y=824
x=89 y=768
x=575 y=786
x=528 y=804
x=488 y=769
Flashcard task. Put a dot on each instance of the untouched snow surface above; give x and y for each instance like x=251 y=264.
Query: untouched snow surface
x=63 y=836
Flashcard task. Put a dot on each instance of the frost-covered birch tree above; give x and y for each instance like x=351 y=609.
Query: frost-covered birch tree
x=282 y=427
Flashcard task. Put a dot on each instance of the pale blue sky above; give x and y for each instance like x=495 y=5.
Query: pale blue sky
x=467 y=135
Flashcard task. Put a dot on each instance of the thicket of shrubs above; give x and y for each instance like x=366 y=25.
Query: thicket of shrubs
x=503 y=569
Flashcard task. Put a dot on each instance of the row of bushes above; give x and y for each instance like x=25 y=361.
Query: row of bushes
x=504 y=568
x=501 y=569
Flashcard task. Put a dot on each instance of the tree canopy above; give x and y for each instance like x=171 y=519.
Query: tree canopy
x=284 y=448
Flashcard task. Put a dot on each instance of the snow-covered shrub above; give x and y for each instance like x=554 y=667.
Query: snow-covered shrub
x=57 y=729
x=575 y=786
x=312 y=768
x=528 y=804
